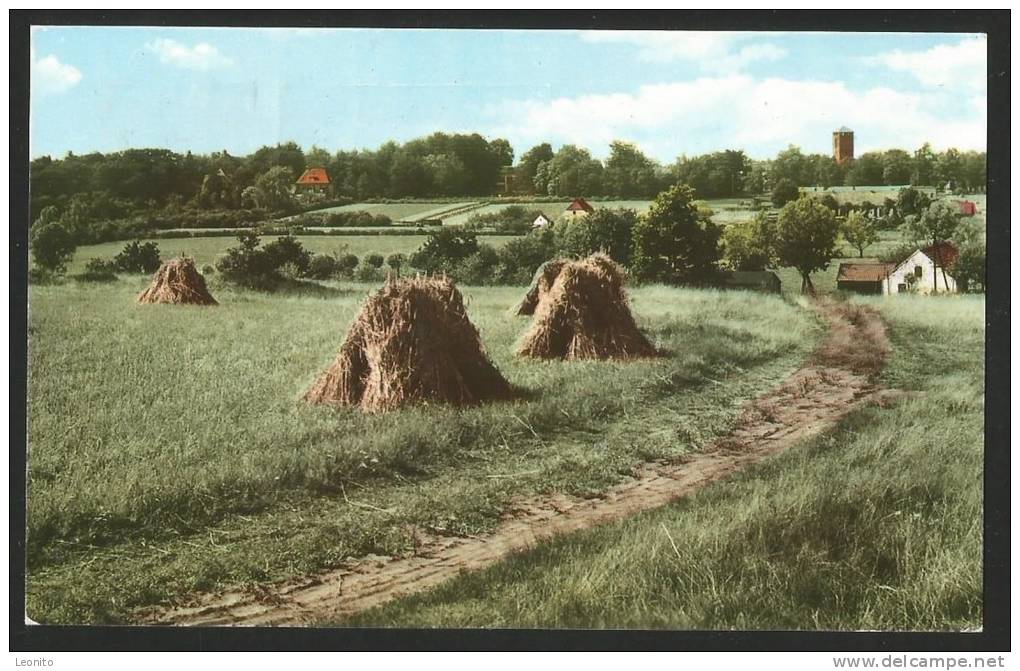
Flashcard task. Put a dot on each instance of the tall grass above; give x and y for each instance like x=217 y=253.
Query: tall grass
x=169 y=450
x=876 y=525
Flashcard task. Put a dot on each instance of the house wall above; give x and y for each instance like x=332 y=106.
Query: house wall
x=926 y=282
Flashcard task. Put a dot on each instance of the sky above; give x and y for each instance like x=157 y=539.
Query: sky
x=671 y=93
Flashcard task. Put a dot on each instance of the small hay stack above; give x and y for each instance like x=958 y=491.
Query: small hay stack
x=540 y=285
x=585 y=315
x=412 y=342
x=178 y=282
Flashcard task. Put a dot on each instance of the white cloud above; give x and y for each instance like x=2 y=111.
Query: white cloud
x=946 y=66
x=49 y=75
x=717 y=52
x=202 y=56
x=738 y=111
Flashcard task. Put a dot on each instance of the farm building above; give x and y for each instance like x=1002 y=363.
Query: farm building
x=313 y=180
x=752 y=280
x=864 y=278
x=916 y=273
x=578 y=207
x=541 y=221
x=966 y=207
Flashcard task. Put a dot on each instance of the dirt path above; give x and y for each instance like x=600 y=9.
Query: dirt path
x=836 y=380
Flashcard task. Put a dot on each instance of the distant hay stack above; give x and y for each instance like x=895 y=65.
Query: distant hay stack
x=177 y=282
x=585 y=315
x=540 y=285
x=411 y=343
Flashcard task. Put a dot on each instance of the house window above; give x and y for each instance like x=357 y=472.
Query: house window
x=901 y=288
x=918 y=270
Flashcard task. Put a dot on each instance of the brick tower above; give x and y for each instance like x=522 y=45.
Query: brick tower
x=843 y=145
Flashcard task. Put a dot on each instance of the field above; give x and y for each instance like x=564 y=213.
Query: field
x=205 y=250
x=551 y=210
x=169 y=451
x=402 y=212
x=895 y=546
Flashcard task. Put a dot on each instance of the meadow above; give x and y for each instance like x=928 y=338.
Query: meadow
x=205 y=250
x=551 y=210
x=169 y=450
x=876 y=525
x=409 y=212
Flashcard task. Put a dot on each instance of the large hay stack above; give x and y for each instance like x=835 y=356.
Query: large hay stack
x=178 y=282
x=585 y=315
x=412 y=342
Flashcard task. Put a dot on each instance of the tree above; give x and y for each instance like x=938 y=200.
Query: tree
x=937 y=224
x=747 y=245
x=605 y=230
x=273 y=189
x=911 y=202
x=444 y=250
x=969 y=269
x=859 y=231
x=628 y=172
x=784 y=191
x=396 y=261
x=527 y=167
x=805 y=238
x=51 y=242
x=673 y=241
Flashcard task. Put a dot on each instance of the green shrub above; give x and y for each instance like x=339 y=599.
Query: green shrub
x=322 y=267
x=52 y=243
x=479 y=268
x=374 y=260
x=98 y=270
x=784 y=191
x=345 y=264
x=520 y=258
x=444 y=250
x=138 y=257
x=288 y=250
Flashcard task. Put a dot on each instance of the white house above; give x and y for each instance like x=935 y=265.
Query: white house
x=917 y=273
x=541 y=221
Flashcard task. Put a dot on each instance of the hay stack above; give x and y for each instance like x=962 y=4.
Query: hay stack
x=540 y=285
x=585 y=315
x=177 y=281
x=411 y=342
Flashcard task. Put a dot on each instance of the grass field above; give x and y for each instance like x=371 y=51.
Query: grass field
x=205 y=250
x=874 y=526
x=551 y=210
x=403 y=212
x=169 y=451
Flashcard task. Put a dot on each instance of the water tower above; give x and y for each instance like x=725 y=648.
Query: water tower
x=843 y=145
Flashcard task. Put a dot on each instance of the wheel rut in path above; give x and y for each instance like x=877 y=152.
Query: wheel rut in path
x=838 y=378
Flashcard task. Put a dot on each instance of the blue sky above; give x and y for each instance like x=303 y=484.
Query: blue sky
x=105 y=89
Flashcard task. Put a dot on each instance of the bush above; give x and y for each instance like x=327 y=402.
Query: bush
x=345 y=264
x=256 y=268
x=604 y=230
x=353 y=218
x=98 y=270
x=396 y=261
x=322 y=267
x=511 y=220
x=444 y=250
x=52 y=244
x=479 y=268
x=208 y=269
x=520 y=258
x=368 y=273
x=137 y=257
x=374 y=260
x=288 y=250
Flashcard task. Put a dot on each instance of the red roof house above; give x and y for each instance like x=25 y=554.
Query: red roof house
x=314 y=177
x=579 y=206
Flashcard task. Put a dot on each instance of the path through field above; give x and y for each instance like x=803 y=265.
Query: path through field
x=838 y=378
